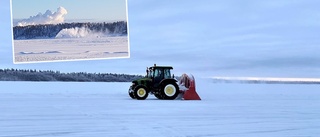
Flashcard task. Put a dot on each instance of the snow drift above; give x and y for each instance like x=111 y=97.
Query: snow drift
x=48 y=17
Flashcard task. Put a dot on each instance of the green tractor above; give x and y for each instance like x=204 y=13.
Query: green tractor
x=158 y=82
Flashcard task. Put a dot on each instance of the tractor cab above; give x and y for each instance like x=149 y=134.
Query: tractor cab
x=159 y=73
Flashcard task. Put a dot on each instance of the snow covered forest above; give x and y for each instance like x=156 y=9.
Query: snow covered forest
x=51 y=30
x=49 y=75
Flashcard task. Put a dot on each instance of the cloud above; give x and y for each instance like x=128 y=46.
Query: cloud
x=47 y=18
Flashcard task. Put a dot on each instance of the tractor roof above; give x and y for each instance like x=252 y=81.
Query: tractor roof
x=165 y=67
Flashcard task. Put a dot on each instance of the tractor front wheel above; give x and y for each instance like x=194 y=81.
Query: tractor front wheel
x=140 y=93
x=131 y=95
x=170 y=91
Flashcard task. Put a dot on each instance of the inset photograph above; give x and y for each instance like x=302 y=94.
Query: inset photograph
x=68 y=30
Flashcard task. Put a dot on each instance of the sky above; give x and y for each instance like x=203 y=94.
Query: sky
x=97 y=10
x=246 y=38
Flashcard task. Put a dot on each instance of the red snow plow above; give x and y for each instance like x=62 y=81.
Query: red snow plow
x=187 y=87
x=162 y=85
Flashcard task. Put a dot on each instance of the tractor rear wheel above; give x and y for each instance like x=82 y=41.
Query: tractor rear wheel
x=170 y=91
x=140 y=93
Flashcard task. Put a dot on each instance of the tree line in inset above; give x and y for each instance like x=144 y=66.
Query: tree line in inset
x=51 y=30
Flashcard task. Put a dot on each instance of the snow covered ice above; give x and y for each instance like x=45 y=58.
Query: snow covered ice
x=104 y=109
x=61 y=49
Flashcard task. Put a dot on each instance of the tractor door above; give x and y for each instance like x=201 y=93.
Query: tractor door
x=158 y=76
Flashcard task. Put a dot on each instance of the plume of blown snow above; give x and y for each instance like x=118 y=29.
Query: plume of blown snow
x=78 y=33
x=48 y=17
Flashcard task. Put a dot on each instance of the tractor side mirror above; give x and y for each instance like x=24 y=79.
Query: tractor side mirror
x=172 y=75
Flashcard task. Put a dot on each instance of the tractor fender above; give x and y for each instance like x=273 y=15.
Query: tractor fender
x=168 y=81
x=141 y=86
x=142 y=82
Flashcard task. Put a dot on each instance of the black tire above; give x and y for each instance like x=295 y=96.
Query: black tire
x=169 y=90
x=132 y=95
x=140 y=93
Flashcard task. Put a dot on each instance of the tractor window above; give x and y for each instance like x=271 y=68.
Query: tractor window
x=167 y=73
x=157 y=73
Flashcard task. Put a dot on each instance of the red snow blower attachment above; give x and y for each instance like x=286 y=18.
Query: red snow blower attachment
x=187 y=87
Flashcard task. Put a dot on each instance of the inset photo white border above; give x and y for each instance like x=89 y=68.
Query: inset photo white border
x=73 y=30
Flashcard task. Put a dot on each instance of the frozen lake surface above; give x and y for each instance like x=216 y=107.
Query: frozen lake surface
x=30 y=109
x=62 y=49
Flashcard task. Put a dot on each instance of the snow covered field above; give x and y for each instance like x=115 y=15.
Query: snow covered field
x=70 y=49
x=30 y=109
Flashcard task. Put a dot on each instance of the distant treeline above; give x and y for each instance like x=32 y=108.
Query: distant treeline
x=51 y=30
x=49 y=75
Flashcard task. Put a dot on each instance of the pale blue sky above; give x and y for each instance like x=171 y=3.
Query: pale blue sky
x=101 y=10
x=272 y=38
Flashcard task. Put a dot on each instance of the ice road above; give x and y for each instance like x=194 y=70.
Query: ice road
x=30 y=109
